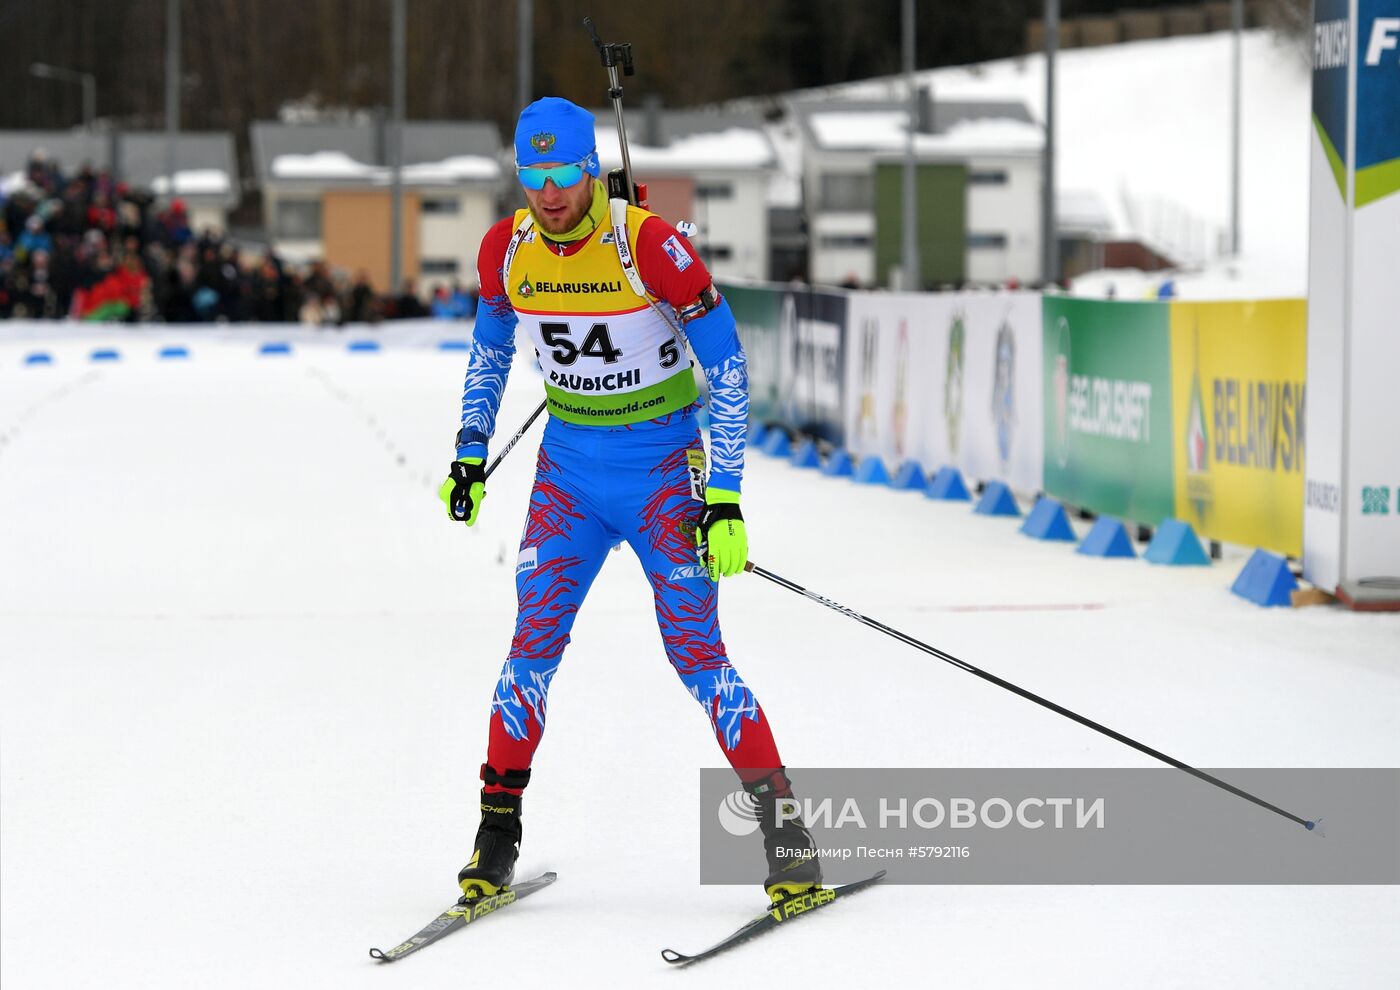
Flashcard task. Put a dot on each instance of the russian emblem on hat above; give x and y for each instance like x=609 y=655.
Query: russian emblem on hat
x=542 y=142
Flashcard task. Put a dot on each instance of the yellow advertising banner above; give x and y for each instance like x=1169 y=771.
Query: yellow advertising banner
x=1238 y=411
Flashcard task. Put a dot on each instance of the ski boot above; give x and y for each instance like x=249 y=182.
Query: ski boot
x=492 y=866
x=793 y=867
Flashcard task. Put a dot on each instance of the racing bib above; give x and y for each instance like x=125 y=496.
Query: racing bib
x=607 y=356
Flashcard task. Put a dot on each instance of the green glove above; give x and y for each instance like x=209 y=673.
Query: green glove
x=723 y=541
x=464 y=489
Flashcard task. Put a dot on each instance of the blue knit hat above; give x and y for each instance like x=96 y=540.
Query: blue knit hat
x=554 y=130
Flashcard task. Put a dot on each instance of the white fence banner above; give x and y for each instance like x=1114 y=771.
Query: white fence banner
x=947 y=379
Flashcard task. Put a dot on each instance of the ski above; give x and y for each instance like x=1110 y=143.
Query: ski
x=786 y=910
x=463 y=913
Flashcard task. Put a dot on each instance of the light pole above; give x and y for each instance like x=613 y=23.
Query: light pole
x=1049 y=234
x=1236 y=25
x=86 y=79
x=909 y=253
x=172 y=95
x=525 y=52
x=398 y=57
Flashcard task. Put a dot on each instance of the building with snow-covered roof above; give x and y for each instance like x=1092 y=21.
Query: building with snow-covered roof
x=709 y=167
x=979 y=180
x=326 y=195
x=206 y=166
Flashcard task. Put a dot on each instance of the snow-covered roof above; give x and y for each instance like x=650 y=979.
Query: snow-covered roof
x=952 y=126
x=732 y=148
x=320 y=165
x=140 y=157
x=194 y=182
x=456 y=168
x=849 y=130
x=337 y=166
x=1082 y=210
x=434 y=152
x=886 y=131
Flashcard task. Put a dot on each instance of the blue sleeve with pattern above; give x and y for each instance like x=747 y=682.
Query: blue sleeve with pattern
x=492 y=350
x=714 y=338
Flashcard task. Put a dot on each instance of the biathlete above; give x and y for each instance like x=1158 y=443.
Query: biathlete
x=609 y=300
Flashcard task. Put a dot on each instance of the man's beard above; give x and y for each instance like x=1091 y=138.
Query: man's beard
x=562 y=224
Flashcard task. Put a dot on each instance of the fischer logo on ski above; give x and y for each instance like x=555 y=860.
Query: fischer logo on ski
x=461 y=914
x=783 y=911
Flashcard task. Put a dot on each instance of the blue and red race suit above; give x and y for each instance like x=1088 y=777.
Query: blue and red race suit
x=621 y=459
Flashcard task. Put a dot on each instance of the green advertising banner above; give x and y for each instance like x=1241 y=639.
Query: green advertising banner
x=757 y=310
x=1108 y=405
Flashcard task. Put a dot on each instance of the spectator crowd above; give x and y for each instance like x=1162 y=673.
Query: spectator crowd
x=87 y=246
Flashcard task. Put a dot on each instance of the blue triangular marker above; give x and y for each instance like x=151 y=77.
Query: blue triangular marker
x=871 y=471
x=757 y=434
x=806 y=456
x=1108 y=538
x=948 y=484
x=275 y=347
x=38 y=357
x=997 y=500
x=1175 y=543
x=175 y=351
x=453 y=345
x=1265 y=580
x=106 y=354
x=839 y=465
x=776 y=444
x=910 y=477
x=363 y=346
x=1048 y=521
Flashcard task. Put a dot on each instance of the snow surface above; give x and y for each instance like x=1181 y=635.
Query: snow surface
x=245 y=667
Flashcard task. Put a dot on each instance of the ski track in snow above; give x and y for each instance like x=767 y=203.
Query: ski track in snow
x=246 y=665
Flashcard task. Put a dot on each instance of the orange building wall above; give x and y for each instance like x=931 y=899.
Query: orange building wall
x=355 y=231
x=671 y=199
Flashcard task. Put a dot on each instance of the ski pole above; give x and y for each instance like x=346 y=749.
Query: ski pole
x=515 y=439
x=1028 y=695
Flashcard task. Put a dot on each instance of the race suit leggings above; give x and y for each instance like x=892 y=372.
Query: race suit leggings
x=596 y=487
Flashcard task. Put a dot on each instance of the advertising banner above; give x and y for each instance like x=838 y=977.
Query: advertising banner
x=1238 y=417
x=892 y=384
x=794 y=337
x=1000 y=422
x=1328 y=234
x=947 y=379
x=811 y=362
x=1371 y=527
x=1351 y=520
x=1107 y=406
x=756 y=310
